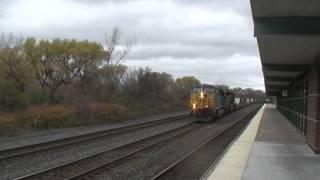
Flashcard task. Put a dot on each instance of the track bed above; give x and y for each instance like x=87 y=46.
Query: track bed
x=175 y=148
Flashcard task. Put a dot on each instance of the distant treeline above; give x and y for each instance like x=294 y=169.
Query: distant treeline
x=84 y=76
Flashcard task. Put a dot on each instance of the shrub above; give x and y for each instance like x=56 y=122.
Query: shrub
x=6 y=118
x=36 y=95
x=45 y=116
x=11 y=98
x=8 y=125
x=107 y=111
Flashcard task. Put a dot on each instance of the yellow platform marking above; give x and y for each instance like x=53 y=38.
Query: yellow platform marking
x=233 y=163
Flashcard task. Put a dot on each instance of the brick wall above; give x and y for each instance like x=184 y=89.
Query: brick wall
x=313 y=113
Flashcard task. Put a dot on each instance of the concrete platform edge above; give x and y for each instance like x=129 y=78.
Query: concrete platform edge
x=233 y=162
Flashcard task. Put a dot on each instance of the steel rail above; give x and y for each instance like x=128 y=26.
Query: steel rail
x=173 y=133
x=96 y=171
x=216 y=135
x=43 y=146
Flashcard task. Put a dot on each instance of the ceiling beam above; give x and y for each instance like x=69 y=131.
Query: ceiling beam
x=276 y=83
x=276 y=87
x=273 y=93
x=266 y=26
x=285 y=67
x=298 y=79
x=274 y=78
x=273 y=90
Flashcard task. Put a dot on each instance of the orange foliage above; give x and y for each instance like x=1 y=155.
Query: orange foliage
x=45 y=116
x=107 y=111
x=56 y=116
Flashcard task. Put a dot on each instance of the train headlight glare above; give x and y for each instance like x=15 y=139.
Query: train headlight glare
x=201 y=95
x=193 y=106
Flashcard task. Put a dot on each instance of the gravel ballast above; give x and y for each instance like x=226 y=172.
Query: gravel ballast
x=27 y=164
x=146 y=164
x=54 y=134
x=73 y=169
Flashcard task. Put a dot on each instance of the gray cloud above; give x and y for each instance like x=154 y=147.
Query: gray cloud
x=246 y=73
x=179 y=31
x=213 y=51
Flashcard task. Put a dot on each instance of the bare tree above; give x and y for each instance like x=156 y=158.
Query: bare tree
x=116 y=53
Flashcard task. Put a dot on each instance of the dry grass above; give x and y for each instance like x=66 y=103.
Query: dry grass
x=8 y=124
x=60 y=116
x=45 y=116
x=6 y=118
x=107 y=111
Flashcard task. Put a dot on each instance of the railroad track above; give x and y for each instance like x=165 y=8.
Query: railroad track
x=25 y=150
x=95 y=166
x=204 y=157
x=18 y=165
x=85 y=167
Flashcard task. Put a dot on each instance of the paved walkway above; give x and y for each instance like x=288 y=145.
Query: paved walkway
x=269 y=149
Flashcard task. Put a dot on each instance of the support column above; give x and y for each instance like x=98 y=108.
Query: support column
x=313 y=112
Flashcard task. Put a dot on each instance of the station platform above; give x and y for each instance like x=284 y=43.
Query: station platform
x=269 y=148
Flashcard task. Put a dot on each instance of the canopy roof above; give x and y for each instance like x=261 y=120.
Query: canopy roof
x=288 y=35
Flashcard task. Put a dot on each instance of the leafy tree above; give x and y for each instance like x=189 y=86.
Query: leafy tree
x=13 y=63
x=108 y=80
x=86 y=58
x=146 y=86
x=248 y=93
x=185 y=84
x=238 y=91
x=223 y=87
x=10 y=97
x=49 y=60
x=62 y=62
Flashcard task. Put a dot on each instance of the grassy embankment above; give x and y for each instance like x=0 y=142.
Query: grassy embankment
x=42 y=117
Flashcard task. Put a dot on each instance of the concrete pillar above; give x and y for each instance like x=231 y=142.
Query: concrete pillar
x=313 y=113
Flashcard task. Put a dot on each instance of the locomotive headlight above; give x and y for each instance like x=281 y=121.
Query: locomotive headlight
x=201 y=95
x=193 y=106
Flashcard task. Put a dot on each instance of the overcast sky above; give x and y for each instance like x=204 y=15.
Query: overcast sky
x=210 y=39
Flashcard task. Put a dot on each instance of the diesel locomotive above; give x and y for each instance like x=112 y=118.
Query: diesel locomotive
x=208 y=102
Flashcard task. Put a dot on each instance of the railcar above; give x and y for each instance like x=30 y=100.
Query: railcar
x=209 y=102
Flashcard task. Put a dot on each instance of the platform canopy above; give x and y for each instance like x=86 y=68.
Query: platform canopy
x=288 y=35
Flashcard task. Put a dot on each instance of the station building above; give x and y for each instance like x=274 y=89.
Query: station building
x=282 y=141
x=288 y=36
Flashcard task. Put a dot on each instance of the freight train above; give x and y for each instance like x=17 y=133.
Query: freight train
x=209 y=102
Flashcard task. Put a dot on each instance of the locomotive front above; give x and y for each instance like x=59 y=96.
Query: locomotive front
x=202 y=101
